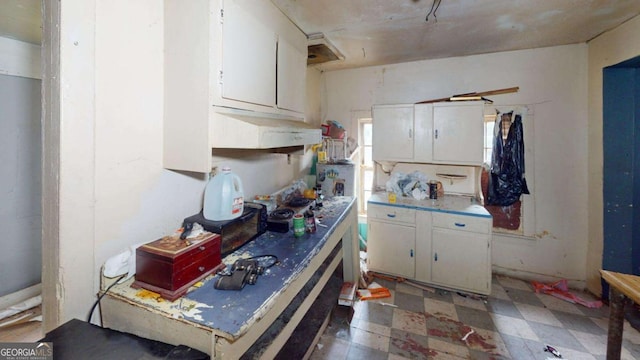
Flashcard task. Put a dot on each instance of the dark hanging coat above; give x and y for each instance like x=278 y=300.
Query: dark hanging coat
x=506 y=177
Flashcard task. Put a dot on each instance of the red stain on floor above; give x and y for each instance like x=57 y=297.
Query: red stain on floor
x=413 y=347
x=455 y=330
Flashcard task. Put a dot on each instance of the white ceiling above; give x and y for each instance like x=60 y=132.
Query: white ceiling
x=374 y=32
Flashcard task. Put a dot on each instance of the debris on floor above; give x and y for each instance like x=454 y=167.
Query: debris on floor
x=464 y=338
x=560 y=289
x=371 y=275
x=552 y=350
x=374 y=291
x=347 y=294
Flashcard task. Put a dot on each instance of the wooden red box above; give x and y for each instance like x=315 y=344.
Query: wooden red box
x=170 y=265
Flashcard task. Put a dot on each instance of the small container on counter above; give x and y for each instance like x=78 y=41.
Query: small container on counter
x=309 y=221
x=298 y=225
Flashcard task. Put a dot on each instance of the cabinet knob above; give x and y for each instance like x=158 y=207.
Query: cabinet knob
x=201 y=248
x=201 y=268
x=435 y=257
x=411 y=253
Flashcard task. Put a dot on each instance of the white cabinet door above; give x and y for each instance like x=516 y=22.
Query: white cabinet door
x=458 y=133
x=292 y=64
x=460 y=260
x=393 y=132
x=248 y=57
x=391 y=248
x=423 y=246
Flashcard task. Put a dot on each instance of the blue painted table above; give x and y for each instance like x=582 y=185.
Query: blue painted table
x=226 y=323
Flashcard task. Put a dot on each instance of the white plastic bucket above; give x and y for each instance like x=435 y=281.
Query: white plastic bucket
x=223 y=197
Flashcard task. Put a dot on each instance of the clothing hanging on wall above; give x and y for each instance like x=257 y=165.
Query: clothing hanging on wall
x=506 y=178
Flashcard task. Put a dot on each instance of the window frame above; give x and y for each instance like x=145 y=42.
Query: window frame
x=363 y=168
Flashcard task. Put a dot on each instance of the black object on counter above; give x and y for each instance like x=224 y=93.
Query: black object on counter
x=236 y=232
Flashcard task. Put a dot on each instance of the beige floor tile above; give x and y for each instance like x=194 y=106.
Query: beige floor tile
x=596 y=344
x=369 y=339
x=373 y=328
x=448 y=348
x=396 y=357
x=445 y=356
x=330 y=347
x=601 y=322
x=469 y=302
x=440 y=308
x=498 y=292
x=408 y=289
x=571 y=354
x=554 y=303
x=514 y=283
x=630 y=333
x=409 y=321
x=515 y=327
x=538 y=314
x=487 y=341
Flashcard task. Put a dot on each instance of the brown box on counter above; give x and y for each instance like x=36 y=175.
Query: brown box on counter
x=169 y=266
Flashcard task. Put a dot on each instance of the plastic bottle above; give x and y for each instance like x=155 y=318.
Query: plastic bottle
x=309 y=221
x=223 y=197
x=319 y=195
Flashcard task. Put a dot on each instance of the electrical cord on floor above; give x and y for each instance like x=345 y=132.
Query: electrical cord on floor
x=100 y=298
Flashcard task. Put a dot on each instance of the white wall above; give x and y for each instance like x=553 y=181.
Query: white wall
x=553 y=84
x=608 y=49
x=113 y=191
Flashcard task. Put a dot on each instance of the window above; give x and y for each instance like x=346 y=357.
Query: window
x=365 y=131
x=489 y=122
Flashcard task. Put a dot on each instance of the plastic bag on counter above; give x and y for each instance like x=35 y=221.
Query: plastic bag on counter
x=413 y=185
x=393 y=184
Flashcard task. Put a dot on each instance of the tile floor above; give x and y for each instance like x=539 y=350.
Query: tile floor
x=512 y=323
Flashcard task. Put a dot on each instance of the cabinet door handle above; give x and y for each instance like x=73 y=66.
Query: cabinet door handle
x=436 y=132
x=411 y=253
x=410 y=133
x=460 y=224
x=391 y=215
x=435 y=257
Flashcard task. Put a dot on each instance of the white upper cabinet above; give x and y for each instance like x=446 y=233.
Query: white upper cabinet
x=249 y=54
x=458 y=133
x=440 y=133
x=393 y=133
x=240 y=56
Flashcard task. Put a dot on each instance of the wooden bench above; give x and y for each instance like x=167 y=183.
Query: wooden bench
x=622 y=288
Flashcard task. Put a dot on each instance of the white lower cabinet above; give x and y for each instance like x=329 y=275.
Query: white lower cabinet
x=391 y=240
x=450 y=250
x=461 y=260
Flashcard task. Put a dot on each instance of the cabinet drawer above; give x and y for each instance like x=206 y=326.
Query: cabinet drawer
x=392 y=213
x=461 y=222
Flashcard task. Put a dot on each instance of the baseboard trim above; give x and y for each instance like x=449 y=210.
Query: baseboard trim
x=20 y=296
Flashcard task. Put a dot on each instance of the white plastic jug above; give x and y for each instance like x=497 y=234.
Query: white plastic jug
x=223 y=197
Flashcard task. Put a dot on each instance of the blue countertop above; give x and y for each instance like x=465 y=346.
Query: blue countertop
x=452 y=204
x=231 y=312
